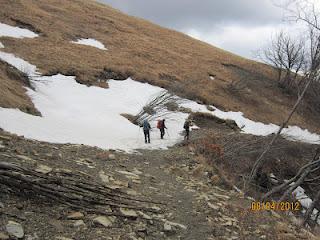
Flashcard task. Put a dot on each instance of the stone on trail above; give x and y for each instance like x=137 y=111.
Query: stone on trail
x=43 y=169
x=173 y=224
x=15 y=229
x=128 y=213
x=167 y=227
x=112 y=156
x=143 y=215
x=129 y=174
x=75 y=216
x=104 y=221
x=78 y=223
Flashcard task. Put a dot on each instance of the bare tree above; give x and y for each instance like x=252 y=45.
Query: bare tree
x=310 y=75
x=287 y=55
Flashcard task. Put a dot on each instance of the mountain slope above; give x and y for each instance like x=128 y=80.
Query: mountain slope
x=147 y=53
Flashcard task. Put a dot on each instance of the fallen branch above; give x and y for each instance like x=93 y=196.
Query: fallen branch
x=71 y=190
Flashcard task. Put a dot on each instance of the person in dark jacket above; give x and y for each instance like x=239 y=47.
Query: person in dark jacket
x=162 y=127
x=146 y=130
x=186 y=127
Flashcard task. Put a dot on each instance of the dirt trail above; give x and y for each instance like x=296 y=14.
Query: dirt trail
x=195 y=207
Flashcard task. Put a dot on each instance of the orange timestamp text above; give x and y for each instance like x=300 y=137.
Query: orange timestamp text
x=276 y=206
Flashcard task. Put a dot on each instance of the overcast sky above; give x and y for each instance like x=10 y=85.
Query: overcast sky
x=239 y=26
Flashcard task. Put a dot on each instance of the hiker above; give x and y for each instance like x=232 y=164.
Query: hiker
x=146 y=130
x=186 y=127
x=161 y=125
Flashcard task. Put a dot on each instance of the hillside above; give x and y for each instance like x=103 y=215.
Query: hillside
x=143 y=51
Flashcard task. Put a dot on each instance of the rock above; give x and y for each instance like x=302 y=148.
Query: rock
x=15 y=229
x=136 y=171
x=3 y=236
x=145 y=216
x=63 y=170
x=173 y=224
x=128 y=213
x=119 y=184
x=75 y=216
x=63 y=238
x=129 y=174
x=104 y=178
x=43 y=169
x=1 y=205
x=167 y=227
x=25 y=158
x=112 y=156
x=78 y=223
x=104 y=221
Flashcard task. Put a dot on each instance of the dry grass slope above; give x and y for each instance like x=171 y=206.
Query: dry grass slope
x=144 y=51
x=12 y=91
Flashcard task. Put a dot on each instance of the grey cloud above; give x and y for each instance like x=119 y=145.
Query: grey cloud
x=204 y=14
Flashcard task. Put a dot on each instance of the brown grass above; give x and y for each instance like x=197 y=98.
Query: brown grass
x=12 y=91
x=147 y=53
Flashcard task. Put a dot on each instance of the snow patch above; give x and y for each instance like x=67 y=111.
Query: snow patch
x=19 y=63
x=90 y=42
x=16 y=32
x=75 y=113
x=292 y=133
x=1 y=45
x=303 y=198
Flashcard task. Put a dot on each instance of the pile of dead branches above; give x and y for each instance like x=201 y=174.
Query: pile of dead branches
x=74 y=190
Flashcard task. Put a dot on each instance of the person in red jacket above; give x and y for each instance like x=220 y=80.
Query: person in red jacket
x=161 y=125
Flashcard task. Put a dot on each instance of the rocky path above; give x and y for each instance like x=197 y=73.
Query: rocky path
x=195 y=203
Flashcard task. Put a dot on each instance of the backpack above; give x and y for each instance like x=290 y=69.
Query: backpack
x=159 y=123
x=186 y=125
x=146 y=125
